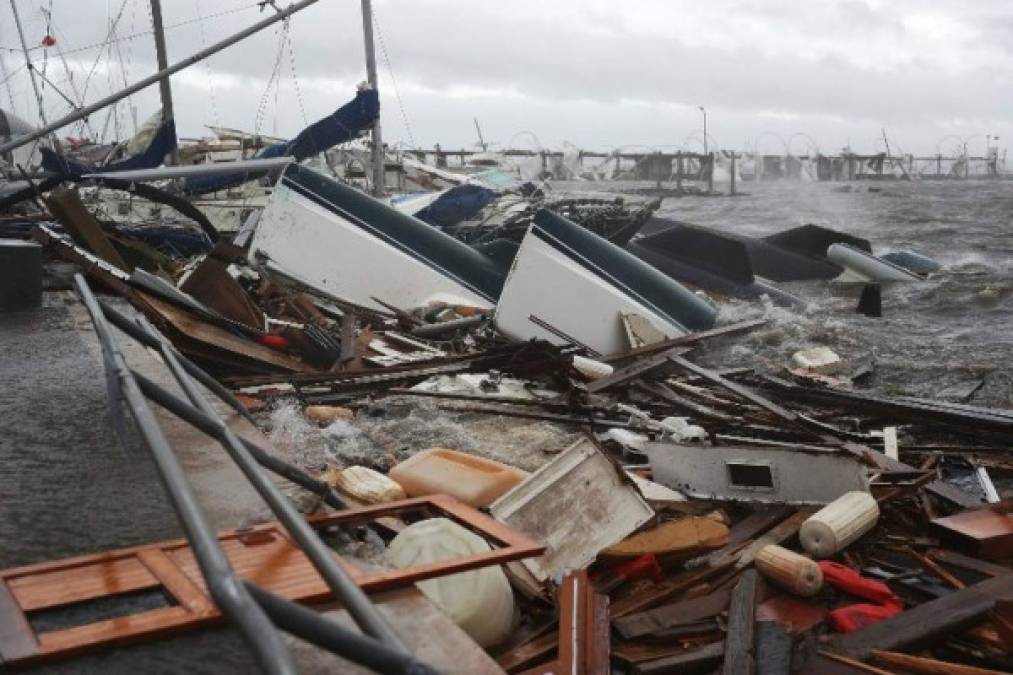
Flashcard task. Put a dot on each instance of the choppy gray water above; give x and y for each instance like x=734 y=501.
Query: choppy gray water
x=66 y=488
x=934 y=334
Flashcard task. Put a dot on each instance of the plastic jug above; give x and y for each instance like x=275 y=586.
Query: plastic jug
x=479 y=601
x=838 y=524
x=473 y=480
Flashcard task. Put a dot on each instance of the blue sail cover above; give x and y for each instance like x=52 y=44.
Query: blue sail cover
x=341 y=126
x=161 y=145
x=456 y=204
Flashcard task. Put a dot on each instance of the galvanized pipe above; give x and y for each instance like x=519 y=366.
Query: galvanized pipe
x=208 y=425
x=225 y=587
x=345 y=590
x=310 y=626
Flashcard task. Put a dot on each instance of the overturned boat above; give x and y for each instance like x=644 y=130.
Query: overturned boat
x=349 y=245
x=708 y=259
x=567 y=284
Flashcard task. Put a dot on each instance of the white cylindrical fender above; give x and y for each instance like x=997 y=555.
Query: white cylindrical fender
x=838 y=524
x=788 y=569
x=591 y=369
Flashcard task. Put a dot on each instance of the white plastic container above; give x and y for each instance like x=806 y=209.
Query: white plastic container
x=479 y=601
x=789 y=570
x=834 y=527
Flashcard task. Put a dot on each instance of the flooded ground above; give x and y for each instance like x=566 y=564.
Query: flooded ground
x=67 y=488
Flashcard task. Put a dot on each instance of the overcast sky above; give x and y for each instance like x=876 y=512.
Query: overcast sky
x=595 y=74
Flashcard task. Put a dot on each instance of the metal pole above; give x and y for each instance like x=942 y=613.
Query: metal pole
x=151 y=79
x=164 y=88
x=28 y=64
x=355 y=601
x=704 y=111
x=732 y=190
x=310 y=626
x=225 y=587
x=379 y=173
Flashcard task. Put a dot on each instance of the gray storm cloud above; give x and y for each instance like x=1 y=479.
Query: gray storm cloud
x=591 y=73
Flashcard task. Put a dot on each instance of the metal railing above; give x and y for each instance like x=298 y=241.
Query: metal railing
x=256 y=612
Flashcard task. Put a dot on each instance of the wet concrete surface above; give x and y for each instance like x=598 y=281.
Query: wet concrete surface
x=68 y=488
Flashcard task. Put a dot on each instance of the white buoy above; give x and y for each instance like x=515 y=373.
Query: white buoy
x=591 y=369
x=788 y=569
x=838 y=524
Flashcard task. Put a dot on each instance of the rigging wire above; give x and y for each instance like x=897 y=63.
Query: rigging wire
x=393 y=80
x=295 y=76
x=207 y=66
x=262 y=106
x=142 y=33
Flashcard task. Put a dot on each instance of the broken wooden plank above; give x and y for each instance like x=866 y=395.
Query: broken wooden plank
x=676 y=614
x=927 y=666
x=665 y=393
x=692 y=338
x=773 y=649
x=922 y=623
x=264 y=555
x=66 y=206
x=740 y=639
x=966 y=562
x=636 y=369
x=984 y=533
x=700 y=660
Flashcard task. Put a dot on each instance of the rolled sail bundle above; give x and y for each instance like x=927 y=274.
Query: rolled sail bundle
x=581 y=284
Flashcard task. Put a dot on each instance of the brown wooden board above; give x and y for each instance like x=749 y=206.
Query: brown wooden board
x=927 y=620
x=263 y=554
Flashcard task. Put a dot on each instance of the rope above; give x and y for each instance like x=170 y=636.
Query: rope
x=207 y=66
x=393 y=81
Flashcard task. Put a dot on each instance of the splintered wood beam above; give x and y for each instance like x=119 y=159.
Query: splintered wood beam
x=918 y=624
x=927 y=666
x=740 y=640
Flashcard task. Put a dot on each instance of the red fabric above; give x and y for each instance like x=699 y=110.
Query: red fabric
x=854 y=617
x=642 y=566
x=273 y=341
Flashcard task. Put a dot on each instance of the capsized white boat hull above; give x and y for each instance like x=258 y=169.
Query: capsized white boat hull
x=332 y=249
x=552 y=286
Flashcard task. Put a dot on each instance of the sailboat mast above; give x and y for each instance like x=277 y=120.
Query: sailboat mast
x=28 y=63
x=151 y=79
x=164 y=88
x=377 y=154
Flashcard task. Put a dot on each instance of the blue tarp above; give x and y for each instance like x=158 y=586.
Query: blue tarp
x=456 y=204
x=161 y=145
x=341 y=126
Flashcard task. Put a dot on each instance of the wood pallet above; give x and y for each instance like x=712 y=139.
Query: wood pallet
x=264 y=554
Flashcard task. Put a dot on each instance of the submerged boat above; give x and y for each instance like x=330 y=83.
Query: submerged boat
x=861 y=267
x=708 y=259
x=582 y=286
x=341 y=241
